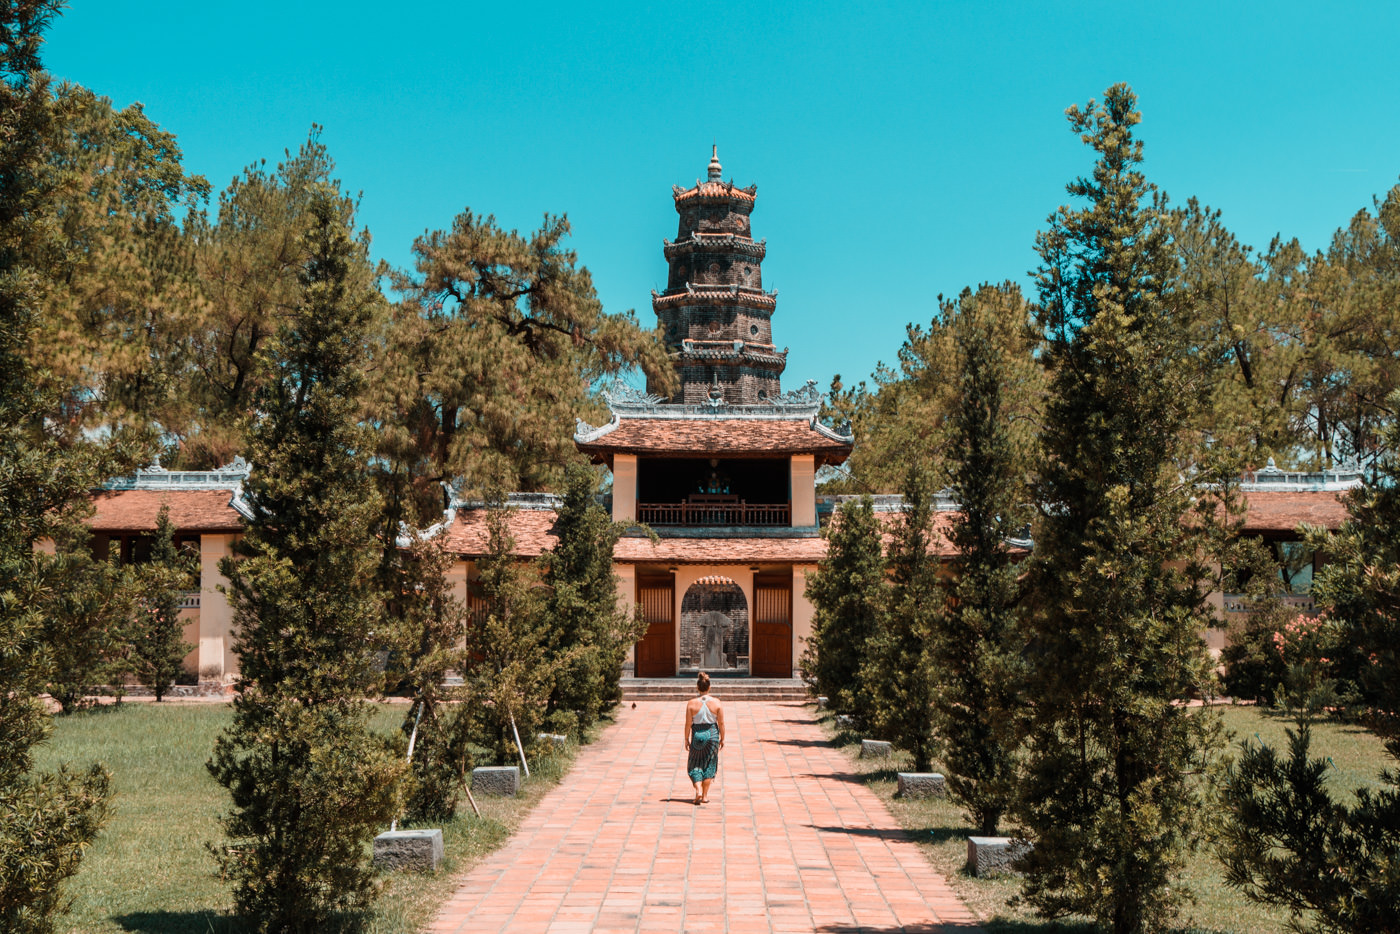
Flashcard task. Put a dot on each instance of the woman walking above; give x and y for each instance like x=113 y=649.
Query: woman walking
x=704 y=737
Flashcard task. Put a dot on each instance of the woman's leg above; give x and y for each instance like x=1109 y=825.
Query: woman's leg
x=705 y=790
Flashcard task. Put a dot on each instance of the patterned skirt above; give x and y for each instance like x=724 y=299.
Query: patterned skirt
x=704 y=751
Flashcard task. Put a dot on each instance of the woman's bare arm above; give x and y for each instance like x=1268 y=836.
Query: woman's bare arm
x=719 y=719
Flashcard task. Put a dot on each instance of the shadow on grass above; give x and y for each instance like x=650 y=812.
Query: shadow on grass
x=178 y=922
x=990 y=927
x=918 y=834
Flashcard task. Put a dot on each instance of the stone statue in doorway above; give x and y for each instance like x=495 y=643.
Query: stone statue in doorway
x=714 y=626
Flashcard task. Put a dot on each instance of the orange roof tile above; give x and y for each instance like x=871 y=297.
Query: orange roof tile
x=532 y=529
x=190 y=510
x=1284 y=511
x=720 y=550
x=715 y=189
x=702 y=436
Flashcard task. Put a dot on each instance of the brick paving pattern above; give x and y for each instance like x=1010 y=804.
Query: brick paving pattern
x=791 y=841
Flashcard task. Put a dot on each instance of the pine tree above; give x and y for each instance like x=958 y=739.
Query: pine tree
x=974 y=654
x=46 y=469
x=157 y=640
x=848 y=595
x=1107 y=797
x=897 y=666
x=430 y=626
x=1285 y=839
x=309 y=782
x=591 y=632
x=514 y=671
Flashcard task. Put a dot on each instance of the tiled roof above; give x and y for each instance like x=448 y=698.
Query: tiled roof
x=808 y=550
x=190 y=510
x=1284 y=511
x=753 y=298
x=716 y=189
x=717 y=436
x=532 y=529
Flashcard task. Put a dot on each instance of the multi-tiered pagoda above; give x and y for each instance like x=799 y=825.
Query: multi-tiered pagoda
x=725 y=470
x=717 y=318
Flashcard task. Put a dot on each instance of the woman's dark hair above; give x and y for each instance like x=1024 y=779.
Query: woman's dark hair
x=702 y=683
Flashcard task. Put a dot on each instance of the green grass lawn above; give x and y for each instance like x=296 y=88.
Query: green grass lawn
x=149 y=870
x=941 y=828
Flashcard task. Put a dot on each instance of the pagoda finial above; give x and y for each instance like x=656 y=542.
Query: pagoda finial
x=715 y=168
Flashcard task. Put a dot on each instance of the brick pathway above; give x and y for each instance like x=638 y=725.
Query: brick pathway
x=790 y=842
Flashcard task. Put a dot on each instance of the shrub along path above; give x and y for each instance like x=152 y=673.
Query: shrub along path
x=791 y=841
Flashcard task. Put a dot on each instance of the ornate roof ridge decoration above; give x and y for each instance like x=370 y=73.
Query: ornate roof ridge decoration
x=689 y=352
x=729 y=295
x=626 y=402
x=943 y=501
x=757 y=250
x=1270 y=479
x=717 y=190
x=155 y=477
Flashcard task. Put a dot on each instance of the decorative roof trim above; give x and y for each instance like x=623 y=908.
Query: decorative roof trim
x=155 y=477
x=1270 y=479
x=715 y=243
x=733 y=295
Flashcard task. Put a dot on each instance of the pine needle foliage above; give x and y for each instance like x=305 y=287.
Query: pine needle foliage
x=897 y=670
x=431 y=626
x=158 y=646
x=309 y=782
x=514 y=669
x=1286 y=839
x=974 y=651
x=591 y=632
x=1108 y=795
x=848 y=593
x=46 y=468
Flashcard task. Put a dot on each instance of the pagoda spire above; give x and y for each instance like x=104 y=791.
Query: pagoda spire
x=715 y=314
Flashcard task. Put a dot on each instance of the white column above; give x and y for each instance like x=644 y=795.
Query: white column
x=217 y=661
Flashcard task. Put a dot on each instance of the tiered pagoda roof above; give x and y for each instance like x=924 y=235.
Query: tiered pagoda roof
x=643 y=424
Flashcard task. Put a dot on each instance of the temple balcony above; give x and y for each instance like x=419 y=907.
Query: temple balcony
x=702 y=510
x=1236 y=605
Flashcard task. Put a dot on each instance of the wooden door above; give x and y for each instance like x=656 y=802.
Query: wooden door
x=656 y=653
x=770 y=652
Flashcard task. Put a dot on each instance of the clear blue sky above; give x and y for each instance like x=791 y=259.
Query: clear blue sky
x=900 y=149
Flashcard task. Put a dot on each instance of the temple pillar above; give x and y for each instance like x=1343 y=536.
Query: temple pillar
x=802 y=611
x=624 y=488
x=217 y=661
x=803 y=474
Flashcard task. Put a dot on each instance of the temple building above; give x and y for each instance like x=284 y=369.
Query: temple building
x=723 y=472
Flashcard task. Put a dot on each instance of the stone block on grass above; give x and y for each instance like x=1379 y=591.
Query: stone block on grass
x=417 y=850
x=845 y=721
x=554 y=740
x=821 y=702
x=988 y=856
x=875 y=749
x=921 y=785
x=503 y=781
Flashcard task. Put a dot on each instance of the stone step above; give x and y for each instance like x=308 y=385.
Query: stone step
x=745 y=689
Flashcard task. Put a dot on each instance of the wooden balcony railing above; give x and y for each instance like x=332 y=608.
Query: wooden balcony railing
x=735 y=512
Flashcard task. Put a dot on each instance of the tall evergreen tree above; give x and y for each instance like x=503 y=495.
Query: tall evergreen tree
x=1285 y=838
x=46 y=468
x=591 y=631
x=157 y=639
x=1107 y=795
x=514 y=668
x=897 y=666
x=309 y=782
x=973 y=650
x=848 y=594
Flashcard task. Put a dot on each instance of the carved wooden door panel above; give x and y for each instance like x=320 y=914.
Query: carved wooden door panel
x=771 y=645
x=656 y=653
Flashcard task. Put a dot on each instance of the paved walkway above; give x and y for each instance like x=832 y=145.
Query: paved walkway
x=790 y=842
